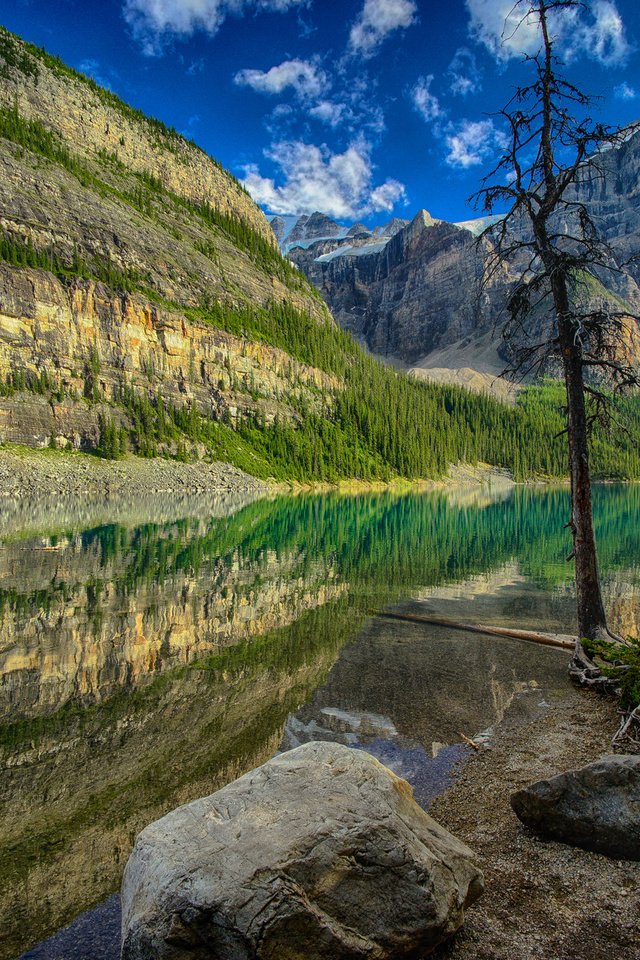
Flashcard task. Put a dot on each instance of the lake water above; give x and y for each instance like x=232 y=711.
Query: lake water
x=143 y=664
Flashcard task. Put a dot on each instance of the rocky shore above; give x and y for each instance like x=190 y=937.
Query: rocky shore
x=27 y=473
x=544 y=900
x=48 y=489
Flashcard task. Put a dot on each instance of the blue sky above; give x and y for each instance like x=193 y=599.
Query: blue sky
x=364 y=109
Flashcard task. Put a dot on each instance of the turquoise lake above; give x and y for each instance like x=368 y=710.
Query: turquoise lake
x=149 y=660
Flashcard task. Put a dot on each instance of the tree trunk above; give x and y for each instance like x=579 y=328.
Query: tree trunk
x=592 y=622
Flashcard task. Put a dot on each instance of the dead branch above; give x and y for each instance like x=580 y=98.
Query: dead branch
x=627 y=737
x=468 y=740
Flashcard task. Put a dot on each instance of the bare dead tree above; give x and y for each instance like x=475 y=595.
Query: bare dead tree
x=549 y=237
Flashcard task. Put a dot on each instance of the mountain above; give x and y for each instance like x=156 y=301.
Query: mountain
x=119 y=240
x=145 y=308
x=406 y=293
x=314 y=226
x=415 y=293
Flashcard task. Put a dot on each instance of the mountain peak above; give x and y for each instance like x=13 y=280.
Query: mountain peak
x=313 y=226
x=424 y=218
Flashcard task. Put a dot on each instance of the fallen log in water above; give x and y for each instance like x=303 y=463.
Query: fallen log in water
x=547 y=639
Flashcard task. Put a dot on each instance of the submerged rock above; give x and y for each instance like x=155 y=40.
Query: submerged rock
x=320 y=853
x=596 y=807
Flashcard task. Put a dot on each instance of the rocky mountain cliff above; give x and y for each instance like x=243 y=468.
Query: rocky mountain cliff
x=96 y=123
x=118 y=241
x=406 y=294
x=414 y=293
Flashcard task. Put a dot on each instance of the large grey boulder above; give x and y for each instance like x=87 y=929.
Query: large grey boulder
x=319 y=853
x=596 y=807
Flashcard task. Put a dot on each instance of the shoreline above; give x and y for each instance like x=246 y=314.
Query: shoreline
x=61 y=471
x=460 y=475
x=42 y=471
x=544 y=900
x=49 y=490
x=43 y=488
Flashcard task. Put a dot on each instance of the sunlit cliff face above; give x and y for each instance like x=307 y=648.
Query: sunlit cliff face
x=48 y=327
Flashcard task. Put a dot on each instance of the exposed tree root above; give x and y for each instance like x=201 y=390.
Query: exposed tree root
x=586 y=673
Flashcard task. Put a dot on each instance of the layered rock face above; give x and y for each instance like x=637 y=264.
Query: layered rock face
x=320 y=852
x=84 y=333
x=609 y=185
x=422 y=290
x=93 y=119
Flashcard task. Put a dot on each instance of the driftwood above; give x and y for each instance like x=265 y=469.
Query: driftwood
x=472 y=743
x=547 y=639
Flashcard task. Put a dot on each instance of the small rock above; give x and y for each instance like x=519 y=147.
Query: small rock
x=319 y=853
x=596 y=807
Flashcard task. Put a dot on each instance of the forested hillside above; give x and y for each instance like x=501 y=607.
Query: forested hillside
x=145 y=309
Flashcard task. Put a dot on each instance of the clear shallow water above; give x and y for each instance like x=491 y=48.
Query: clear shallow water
x=142 y=665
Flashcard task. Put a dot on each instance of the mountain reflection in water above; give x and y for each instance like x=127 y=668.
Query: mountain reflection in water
x=143 y=665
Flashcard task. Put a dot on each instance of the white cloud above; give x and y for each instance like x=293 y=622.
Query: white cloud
x=338 y=184
x=507 y=30
x=386 y=196
x=500 y=26
x=425 y=102
x=464 y=74
x=330 y=112
x=624 y=91
x=155 y=22
x=472 y=142
x=303 y=76
x=351 y=106
x=377 y=20
x=602 y=39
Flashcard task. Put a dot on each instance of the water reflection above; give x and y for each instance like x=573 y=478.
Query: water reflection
x=20 y=516
x=144 y=664
x=429 y=685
